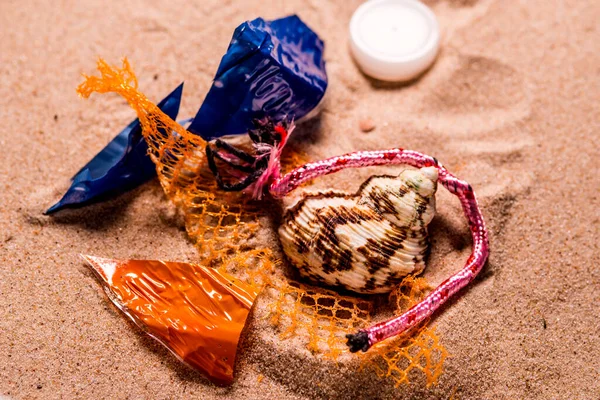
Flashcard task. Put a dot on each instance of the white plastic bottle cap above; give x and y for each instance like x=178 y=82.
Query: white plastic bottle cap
x=394 y=40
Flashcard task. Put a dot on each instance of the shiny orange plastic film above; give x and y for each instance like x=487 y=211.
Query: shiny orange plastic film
x=196 y=312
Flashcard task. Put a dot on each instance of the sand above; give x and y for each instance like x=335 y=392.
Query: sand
x=511 y=105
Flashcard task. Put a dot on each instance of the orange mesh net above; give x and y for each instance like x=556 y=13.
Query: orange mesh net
x=222 y=224
x=324 y=317
x=321 y=316
x=419 y=351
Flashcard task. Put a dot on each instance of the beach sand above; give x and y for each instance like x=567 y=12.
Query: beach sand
x=511 y=106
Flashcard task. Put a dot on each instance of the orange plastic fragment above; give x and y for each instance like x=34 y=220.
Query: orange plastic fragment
x=196 y=312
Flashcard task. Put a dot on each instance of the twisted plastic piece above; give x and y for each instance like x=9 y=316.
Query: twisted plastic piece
x=366 y=338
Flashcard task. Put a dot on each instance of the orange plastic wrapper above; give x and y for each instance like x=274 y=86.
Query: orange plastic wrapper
x=198 y=313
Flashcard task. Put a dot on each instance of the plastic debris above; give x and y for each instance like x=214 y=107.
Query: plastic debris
x=221 y=223
x=271 y=69
x=121 y=166
x=198 y=313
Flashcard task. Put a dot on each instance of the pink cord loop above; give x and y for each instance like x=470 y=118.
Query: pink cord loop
x=366 y=338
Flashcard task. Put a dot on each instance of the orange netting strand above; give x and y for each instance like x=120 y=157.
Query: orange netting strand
x=323 y=317
x=221 y=223
x=178 y=154
x=320 y=315
x=218 y=221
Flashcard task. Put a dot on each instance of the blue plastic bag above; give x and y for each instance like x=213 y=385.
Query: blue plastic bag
x=271 y=69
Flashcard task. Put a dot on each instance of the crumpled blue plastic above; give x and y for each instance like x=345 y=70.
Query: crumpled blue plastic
x=271 y=69
x=121 y=166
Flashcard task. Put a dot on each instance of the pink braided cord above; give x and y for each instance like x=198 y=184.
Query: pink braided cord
x=383 y=330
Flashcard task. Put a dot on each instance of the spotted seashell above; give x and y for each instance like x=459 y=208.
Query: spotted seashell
x=364 y=242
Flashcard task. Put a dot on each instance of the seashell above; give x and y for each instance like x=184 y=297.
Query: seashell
x=364 y=242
